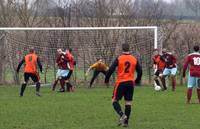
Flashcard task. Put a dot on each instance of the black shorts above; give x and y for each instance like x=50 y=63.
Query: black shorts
x=158 y=72
x=125 y=89
x=34 y=77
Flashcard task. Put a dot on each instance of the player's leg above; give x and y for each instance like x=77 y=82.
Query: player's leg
x=68 y=84
x=191 y=83
x=95 y=74
x=105 y=72
x=173 y=76
x=117 y=95
x=173 y=82
x=62 y=84
x=57 y=79
x=156 y=78
x=160 y=79
x=23 y=86
x=36 y=80
x=38 y=88
x=54 y=84
x=198 y=89
x=166 y=72
x=64 y=74
x=128 y=96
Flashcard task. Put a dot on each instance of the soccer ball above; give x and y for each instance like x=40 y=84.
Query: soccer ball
x=157 y=88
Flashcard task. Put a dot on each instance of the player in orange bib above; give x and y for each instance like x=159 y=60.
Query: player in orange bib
x=127 y=65
x=31 y=61
x=159 y=66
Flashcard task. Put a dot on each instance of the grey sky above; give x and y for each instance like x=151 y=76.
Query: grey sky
x=168 y=0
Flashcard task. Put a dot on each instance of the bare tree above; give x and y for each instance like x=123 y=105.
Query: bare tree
x=193 y=5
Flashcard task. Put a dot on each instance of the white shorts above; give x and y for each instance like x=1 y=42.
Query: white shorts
x=171 y=71
x=62 y=73
x=193 y=82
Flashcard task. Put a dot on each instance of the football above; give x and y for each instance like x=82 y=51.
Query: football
x=157 y=88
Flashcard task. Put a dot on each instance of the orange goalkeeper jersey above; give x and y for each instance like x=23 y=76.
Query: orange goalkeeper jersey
x=99 y=66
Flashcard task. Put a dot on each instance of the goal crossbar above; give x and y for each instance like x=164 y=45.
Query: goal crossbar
x=155 y=28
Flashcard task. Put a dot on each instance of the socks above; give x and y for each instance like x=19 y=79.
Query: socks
x=157 y=82
x=54 y=84
x=189 y=94
x=160 y=81
x=163 y=83
x=62 y=84
x=127 y=112
x=117 y=108
x=38 y=87
x=173 y=84
x=198 y=94
x=69 y=86
x=23 y=87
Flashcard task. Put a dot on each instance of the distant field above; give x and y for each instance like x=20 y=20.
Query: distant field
x=92 y=109
x=78 y=76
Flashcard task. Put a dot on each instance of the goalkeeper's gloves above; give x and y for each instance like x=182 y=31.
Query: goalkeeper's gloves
x=86 y=74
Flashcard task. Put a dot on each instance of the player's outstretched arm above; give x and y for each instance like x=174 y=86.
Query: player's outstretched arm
x=20 y=64
x=139 y=73
x=90 y=68
x=111 y=70
x=87 y=72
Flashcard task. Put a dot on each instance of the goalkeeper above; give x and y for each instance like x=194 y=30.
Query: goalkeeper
x=98 y=67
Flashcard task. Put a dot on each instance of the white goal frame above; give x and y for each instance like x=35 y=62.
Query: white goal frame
x=154 y=28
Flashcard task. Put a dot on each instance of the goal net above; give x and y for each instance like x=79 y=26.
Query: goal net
x=87 y=44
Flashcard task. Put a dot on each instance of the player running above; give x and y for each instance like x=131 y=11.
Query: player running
x=98 y=67
x=193 y=61
x=72 y=63
x=127 y=65
x=170 y=68
x=30 y=70
x=159 y=66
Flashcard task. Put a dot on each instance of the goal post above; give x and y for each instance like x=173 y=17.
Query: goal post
x=88 y=44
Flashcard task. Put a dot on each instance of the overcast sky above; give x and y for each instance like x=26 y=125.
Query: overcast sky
x=167 y=0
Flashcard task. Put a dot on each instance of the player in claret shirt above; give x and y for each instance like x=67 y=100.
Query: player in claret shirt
x=193 y=61
x=61 y=62
x=170 y=68
x=127 y=65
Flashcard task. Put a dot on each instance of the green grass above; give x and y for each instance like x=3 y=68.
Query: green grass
x=92 y=109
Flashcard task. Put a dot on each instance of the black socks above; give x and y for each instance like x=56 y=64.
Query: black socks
x=23 y=87
x=117 y=108
x=127 y=111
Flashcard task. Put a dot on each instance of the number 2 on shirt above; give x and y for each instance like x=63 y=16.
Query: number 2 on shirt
x=30 y=58
x=127 y=67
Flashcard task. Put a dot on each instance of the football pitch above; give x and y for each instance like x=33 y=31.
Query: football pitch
x=92 y=109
